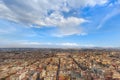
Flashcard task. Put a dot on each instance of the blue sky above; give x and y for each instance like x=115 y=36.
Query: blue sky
x=60 y=23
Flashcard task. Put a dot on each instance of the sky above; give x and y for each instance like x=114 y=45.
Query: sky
x=59 y=23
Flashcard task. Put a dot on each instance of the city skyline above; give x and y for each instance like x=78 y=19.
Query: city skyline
x=59 y=23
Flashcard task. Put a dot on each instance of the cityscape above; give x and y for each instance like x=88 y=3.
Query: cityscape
x=59 y=64
x=59 y=39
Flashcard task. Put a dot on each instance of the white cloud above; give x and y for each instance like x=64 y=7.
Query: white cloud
x=65 y=44
x=83 y=3
x=113 y=13
x=5 y=43
x=34 y=43
x=30 y=44
x=69 y=44
x=47 y=13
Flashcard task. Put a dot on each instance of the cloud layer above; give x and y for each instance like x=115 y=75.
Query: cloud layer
x=31 y=44
x=47 y=13
x=112 y=13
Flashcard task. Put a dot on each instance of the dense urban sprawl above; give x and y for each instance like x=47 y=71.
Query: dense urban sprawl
x=59 y=64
